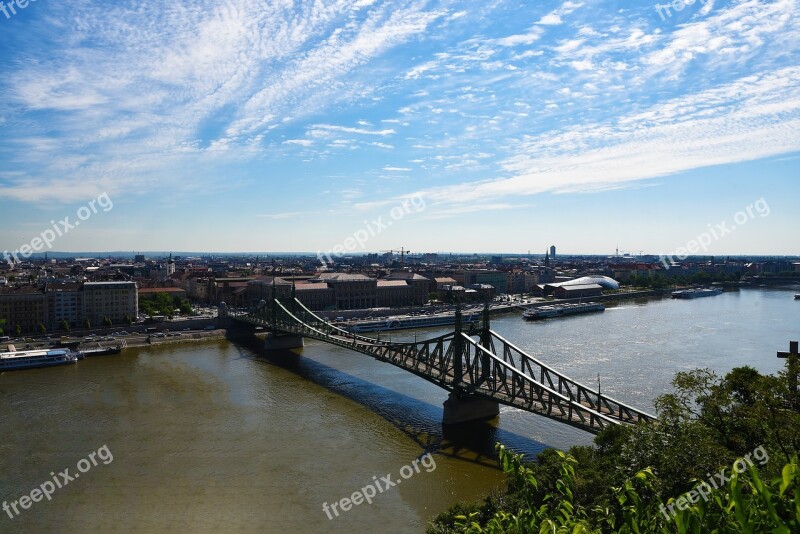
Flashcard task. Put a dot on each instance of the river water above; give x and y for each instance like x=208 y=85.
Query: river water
x=219 y=437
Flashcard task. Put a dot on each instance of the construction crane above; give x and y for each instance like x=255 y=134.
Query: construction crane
x=402 y=252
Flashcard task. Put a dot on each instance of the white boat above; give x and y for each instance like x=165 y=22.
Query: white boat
x=407 y=323
x=561 y=310
x=696 y=293
x=30 y=359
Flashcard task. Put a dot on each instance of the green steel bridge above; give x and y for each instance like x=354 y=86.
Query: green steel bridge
x=475 y=364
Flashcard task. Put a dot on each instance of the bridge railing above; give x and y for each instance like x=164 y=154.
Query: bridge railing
x=506 y=382
x=458 y=362
x=573 y=389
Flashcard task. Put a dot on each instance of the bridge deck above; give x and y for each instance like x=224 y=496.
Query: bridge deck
x=489 y=367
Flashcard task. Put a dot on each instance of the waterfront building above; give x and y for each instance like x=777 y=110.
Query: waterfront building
x=351 y=291
x=22 y=306
x=316 y=296
x=261 y=289
x=498 y=279
x=114 y=300
x=578 y=291
x=64 y=302
x=394 y=293
x=420 y=287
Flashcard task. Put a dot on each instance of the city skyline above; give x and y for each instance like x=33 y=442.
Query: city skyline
x=251 y=126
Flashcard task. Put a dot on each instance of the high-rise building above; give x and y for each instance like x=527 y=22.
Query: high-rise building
x=553 y=252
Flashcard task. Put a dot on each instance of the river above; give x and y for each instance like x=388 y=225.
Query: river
x=216 y=436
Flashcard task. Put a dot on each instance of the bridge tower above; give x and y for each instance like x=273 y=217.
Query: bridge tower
x=275 y=340
x=486 y=341
x=461 y=406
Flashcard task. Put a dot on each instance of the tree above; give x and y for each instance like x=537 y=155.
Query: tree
x=42 y=329
x=705 y=423
x=18 y=330
x=107 y=321
x=2 y=322
x=127 y=319
x=87 y=323
x=64 y=325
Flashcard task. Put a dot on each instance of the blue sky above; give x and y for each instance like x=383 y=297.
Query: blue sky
x=256 y=125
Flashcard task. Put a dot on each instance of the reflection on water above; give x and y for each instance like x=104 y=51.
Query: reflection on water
x=221 y=437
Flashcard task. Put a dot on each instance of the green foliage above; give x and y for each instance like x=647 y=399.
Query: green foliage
x=746 y=504
x=2 y=322
x=18 y=330
x=107 y=321
x=64 y=325
x=87 y=323
x=164 y=304
x=41 y=328
x=621 y=483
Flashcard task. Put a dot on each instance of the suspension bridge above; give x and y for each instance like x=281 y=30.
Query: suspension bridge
x=479 y=368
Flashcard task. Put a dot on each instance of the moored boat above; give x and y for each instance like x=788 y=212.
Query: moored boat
x=696 y=293
x=561 y=310
x=408 y=323
x=30 y=359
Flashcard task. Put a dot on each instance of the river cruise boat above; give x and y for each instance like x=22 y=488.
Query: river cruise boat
x=30 y=359
x=408 y=323
x=561 y=310
x=696 y=293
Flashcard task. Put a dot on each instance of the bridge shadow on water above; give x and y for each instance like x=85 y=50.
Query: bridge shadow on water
x=417 y=419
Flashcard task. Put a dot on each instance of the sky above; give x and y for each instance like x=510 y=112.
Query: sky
x=368 y=125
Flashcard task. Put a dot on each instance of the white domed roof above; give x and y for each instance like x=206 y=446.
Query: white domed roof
x=605 y=281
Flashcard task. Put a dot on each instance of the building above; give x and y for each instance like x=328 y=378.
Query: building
x=522 y=282
x=578 y=291
x=23 y=307
x=420 y=287
x=498 y=279
x=315 y=296
x=261 y=289
x=64 y=303
x=552 y=252
x=351 y=291
x=394 y=293
x=149 y=293
x=585 y=285
x=116 y=301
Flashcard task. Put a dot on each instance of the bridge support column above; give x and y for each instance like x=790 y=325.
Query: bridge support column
x=465 y=408
x=273 y=342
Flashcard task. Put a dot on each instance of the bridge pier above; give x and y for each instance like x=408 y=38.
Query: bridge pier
x=287 y=342
x=467 y=408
